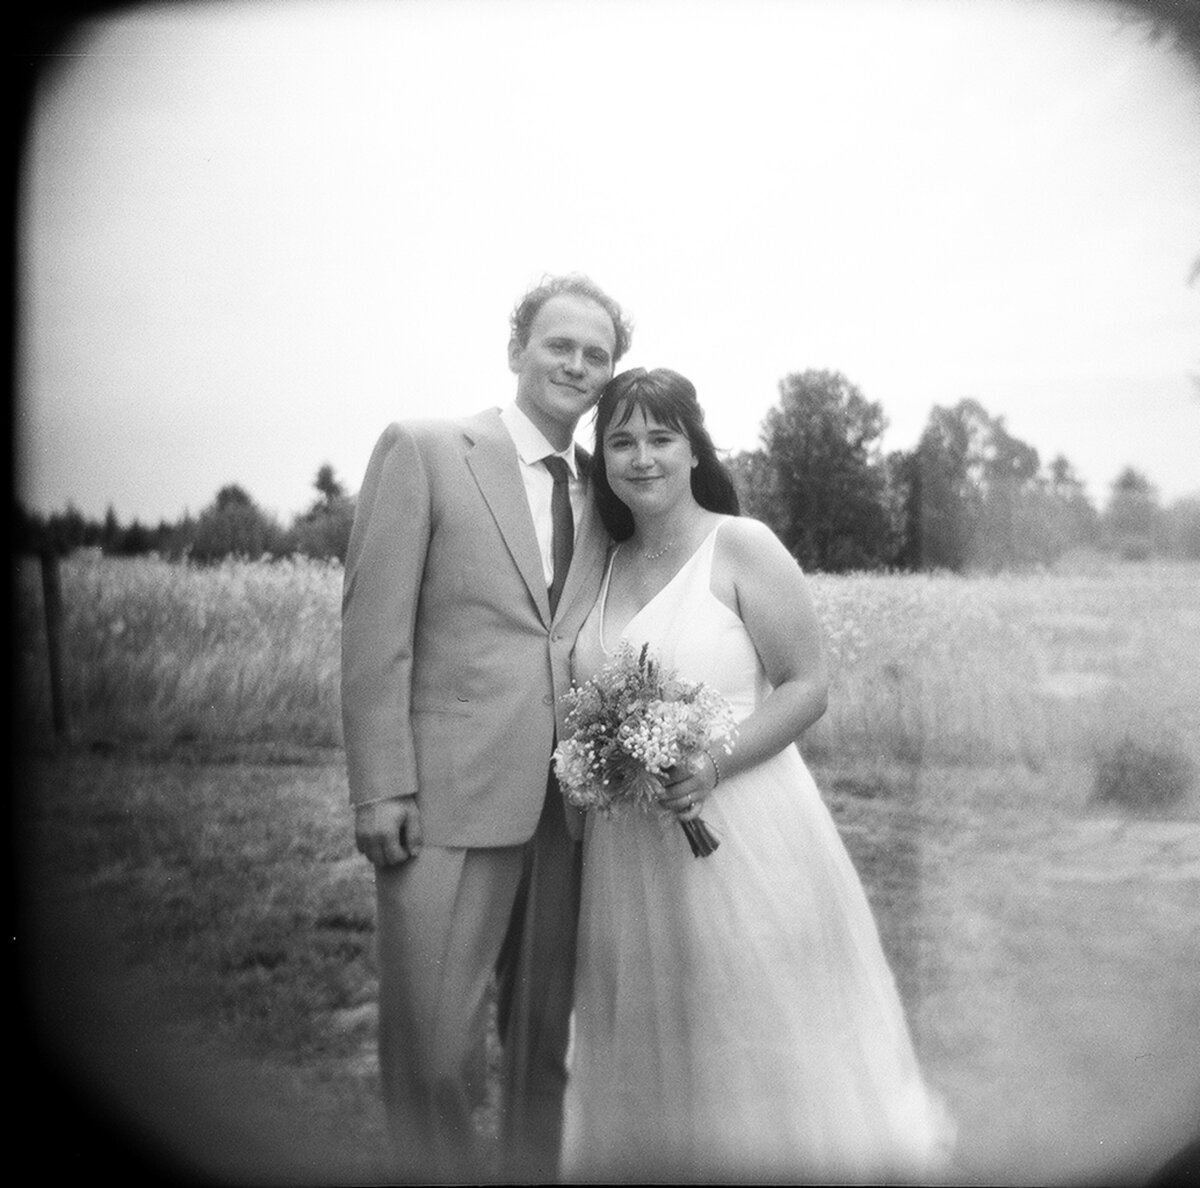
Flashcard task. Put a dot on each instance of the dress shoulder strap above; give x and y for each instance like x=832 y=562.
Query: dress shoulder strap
x=602 y=601
x=708 y=549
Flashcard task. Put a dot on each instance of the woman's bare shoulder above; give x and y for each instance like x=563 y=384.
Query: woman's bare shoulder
x=742 y=539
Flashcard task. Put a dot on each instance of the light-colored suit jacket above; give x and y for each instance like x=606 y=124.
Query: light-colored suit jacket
x=452 y=667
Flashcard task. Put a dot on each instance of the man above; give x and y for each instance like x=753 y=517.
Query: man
x=472 y=563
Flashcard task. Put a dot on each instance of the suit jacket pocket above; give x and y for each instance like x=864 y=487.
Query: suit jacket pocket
x=454 y=707
x=437 y=736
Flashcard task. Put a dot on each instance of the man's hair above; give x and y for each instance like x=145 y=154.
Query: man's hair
x=574 y=284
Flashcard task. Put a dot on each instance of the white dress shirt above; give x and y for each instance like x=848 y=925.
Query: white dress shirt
x=532 y=447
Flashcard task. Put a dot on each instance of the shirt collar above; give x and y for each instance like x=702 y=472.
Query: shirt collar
x=531 y=444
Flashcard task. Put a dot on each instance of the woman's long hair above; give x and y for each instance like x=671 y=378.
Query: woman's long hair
x=669 y=398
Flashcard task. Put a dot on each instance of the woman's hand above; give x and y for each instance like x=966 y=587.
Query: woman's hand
x=689 y=785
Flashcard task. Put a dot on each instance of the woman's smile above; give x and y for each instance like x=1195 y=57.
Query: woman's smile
x=646 y=458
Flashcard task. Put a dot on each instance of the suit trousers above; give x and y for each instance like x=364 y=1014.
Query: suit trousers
x=447 y=920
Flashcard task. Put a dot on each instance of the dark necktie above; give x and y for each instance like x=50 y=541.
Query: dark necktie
x=563 y=536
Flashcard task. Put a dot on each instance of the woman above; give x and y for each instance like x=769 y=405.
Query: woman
x=735 y=1016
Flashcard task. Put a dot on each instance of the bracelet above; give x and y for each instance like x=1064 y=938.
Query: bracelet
x=385 y=799
x=716 y=766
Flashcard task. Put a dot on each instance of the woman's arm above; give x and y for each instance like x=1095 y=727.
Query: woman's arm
x=759 y=580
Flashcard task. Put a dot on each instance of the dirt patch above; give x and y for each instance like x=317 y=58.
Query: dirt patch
x=1046 y=954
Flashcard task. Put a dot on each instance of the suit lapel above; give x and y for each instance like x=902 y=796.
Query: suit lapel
x=492 y=460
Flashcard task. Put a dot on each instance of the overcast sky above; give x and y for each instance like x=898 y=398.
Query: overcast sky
x=252 y=234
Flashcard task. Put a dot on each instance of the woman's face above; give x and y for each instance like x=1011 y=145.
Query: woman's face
x=649 y=465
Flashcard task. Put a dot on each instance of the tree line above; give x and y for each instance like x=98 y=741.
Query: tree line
x=969 y=496
x=232 y=525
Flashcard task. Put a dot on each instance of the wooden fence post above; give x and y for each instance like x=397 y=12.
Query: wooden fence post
x=52 y=603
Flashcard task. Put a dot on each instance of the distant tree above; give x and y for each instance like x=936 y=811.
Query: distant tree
x=1133 y=524
x=1006 y=532
x=970 y=493
x=175 y=540
x=328 y=485
x=758 y=493
x=61 y=531
x=135 y=541
x=68 y=530
x=231 y=497
x=903 y=496
x=942 y=495
x=904 y=485
x=1175 y=22
x=1064 y=517
x=1182 y=524
x=821 y=442
x=111 y=533
x=29 y=529
x=234 y=526
x=324 y=530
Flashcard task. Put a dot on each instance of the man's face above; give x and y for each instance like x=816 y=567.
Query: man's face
x=562 y=368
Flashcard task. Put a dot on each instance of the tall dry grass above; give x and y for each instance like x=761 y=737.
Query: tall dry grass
x=1032 y=668
x=158 y=651
x=1028 y=668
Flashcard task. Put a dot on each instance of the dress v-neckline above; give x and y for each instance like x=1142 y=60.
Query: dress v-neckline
x=603 y=608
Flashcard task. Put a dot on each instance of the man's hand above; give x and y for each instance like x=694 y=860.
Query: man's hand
x=388 y=832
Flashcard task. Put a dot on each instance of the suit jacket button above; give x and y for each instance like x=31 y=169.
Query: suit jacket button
x=548 y=699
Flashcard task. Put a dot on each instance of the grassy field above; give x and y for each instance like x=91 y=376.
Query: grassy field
x=196 y=943
x=1031 y=668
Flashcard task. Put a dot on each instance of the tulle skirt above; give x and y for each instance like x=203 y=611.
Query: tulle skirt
x=735 y=1015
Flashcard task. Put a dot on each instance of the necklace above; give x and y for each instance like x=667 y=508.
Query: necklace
x=660 y=552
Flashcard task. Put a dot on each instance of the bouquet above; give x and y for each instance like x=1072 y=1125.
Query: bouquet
x=629 y=726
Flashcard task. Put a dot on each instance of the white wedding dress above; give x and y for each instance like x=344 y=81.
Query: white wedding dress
x=735 y=1016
